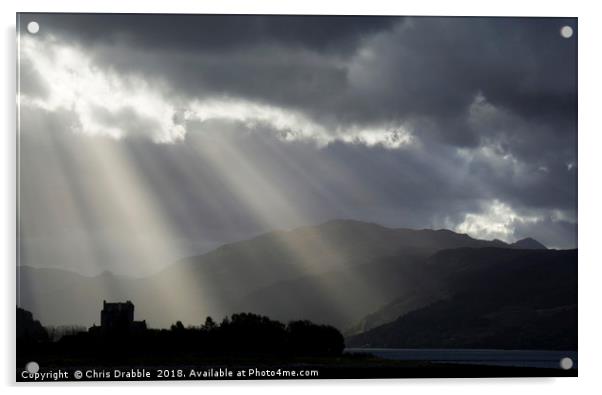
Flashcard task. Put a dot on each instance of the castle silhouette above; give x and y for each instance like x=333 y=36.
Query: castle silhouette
x=118 y=318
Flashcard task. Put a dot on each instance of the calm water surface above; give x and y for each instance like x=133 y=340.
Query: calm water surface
x=525 y=358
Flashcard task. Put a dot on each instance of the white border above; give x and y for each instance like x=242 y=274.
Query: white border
x=590 y=64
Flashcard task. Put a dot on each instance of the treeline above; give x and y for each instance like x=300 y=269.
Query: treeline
x=252 y=333
x=240 y=335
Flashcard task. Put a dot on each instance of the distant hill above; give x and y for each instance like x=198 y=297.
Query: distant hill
x=528 y=244
x=506 y=299
x=334 y=273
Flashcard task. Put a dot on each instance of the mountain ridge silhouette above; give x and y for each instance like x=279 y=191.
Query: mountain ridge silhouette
x=231 y=278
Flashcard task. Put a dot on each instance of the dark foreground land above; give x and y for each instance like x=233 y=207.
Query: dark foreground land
x=244 y=346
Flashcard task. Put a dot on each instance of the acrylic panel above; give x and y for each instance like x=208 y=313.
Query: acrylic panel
x=295 y=197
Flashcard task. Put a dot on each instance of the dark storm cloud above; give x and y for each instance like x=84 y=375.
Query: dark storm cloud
x=418 y=66
x=351 y=69
x=491 y=103
x=337 y=34
x=434 y=67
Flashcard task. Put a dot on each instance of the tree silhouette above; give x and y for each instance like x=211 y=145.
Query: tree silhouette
x=209 y=324
x=245 y=335
x=29 y=330
x=178 y=326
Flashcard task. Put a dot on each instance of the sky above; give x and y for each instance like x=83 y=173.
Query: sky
x=147 y=138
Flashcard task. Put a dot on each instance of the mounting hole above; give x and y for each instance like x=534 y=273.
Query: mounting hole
x=32 y=367
x=566 y=363
x=33 y=27
x=566 y=31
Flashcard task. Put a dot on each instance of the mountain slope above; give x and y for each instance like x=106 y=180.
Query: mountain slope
x=318 y=266
x=499 y=299
x=341 y=296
